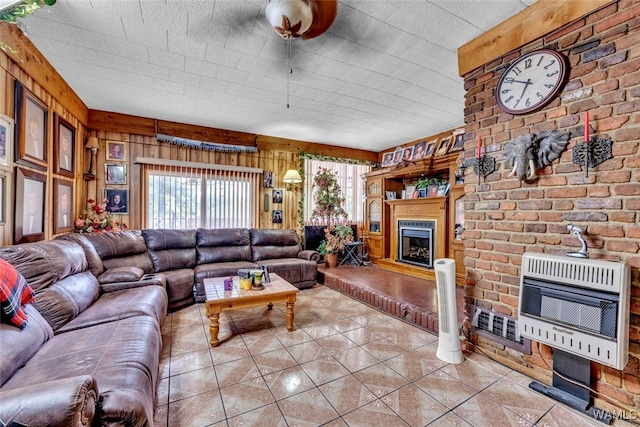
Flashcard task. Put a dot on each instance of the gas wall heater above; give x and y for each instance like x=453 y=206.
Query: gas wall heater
x=580 y=307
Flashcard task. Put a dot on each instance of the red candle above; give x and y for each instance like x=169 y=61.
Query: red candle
x=586 y=126
x=479 y=145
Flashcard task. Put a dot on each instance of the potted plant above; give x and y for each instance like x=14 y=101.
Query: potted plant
x=335 y=239
x=327 y=197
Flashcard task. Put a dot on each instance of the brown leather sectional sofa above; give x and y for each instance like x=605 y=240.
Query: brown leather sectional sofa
x=90 y=352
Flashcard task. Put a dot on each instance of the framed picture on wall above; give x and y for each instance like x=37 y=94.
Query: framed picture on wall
x=3 y=198
x=29 y=211
x=62 y=201
x=276 y=217
x=116 y=151
x=387 y=159
x=32 y=121
x=267 y=179
x=276 y=196
x=6 y=139
x=443 y=146
x=64 y=144
x=117 y=200
x=458 y=142
x=115 y=174
x=431 y=147
x=419 y=150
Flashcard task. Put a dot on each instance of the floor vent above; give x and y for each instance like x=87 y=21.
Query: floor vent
x=498 y=328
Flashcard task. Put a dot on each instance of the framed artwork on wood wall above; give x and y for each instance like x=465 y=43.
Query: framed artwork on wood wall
x=29 y=211
x=62 y=200
x=33 y=118
x=116 y=151
x=6 y=139
x=117 y=200
x=443 y=146
x=115 y=174
x=64 y=145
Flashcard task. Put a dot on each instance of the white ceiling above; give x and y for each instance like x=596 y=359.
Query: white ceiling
x=384 y=74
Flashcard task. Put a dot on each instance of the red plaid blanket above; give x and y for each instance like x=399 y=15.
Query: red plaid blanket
x=15 y=292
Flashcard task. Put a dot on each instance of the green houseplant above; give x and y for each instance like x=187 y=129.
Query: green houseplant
x=20 y=10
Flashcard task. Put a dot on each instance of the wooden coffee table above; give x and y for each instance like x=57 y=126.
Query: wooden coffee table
x=217 y=299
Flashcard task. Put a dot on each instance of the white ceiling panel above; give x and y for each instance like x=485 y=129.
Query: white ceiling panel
x=384 y=74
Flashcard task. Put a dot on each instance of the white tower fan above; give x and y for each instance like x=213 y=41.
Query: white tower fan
x=448 y=337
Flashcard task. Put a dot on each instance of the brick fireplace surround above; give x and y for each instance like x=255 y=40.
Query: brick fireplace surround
x=506 y=217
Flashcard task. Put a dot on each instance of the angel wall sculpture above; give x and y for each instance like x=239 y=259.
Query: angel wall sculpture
x=527 y=153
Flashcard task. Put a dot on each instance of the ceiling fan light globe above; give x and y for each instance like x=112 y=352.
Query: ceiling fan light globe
x=289 y=18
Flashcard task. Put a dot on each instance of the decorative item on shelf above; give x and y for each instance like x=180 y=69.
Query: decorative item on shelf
x=421 y=186
x=591 y=152
x=290 y=178
x=92 y=145
x=97 y=219
x=462 y=167
x=527 y=153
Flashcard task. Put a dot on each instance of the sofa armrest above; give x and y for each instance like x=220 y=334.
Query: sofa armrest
x=309 y=255
x=152 y=279
x=65 y=402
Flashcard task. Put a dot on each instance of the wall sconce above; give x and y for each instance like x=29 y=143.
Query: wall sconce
x=92 y=144
x=291 y=177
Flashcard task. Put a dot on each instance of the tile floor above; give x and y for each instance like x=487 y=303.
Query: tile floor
x=345 y=364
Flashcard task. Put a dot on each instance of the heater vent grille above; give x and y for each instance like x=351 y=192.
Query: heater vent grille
x=499 y=328
x=572 y=271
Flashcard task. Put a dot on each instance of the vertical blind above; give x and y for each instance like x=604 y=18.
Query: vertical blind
x=183 y=197
x=351 y=180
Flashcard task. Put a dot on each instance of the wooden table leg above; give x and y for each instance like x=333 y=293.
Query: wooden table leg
x=214 y=325
x=290 y=316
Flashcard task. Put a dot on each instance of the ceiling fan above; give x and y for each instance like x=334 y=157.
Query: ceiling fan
x=301 y=18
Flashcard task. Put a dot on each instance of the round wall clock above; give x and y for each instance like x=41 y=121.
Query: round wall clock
x=531 y=82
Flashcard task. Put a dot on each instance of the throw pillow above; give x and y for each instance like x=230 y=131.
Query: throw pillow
x=15 y=292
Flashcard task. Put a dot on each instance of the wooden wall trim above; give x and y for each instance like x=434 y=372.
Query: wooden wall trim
x=532 y=23
x=32 y=62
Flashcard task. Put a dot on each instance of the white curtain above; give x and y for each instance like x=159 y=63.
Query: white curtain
x=351 y=180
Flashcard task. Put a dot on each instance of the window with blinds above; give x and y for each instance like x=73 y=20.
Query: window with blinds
x=351 y=180
x=184 y=197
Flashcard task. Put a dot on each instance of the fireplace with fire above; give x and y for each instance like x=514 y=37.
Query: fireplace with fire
x=416 y=242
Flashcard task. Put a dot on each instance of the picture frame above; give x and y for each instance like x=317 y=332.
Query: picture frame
x=276 y=216
x=64 y=145
x=62 y=206
x=29 y=215
x=443 y=146
x=419 y=151
x=4 y=182
x=397 y=156
x=391 y=195
x=116 y=151
x=276 y=196
x=117 y=200
x=407 y=154
x=6 y=140
x=409 y=190
x=443 y=190
x=458 y=142
x=430 y=149
x=267 y=179
x=115 y=173
x=33 y=120
x=387 y=159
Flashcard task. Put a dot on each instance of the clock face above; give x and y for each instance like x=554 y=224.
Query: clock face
x=531 y=82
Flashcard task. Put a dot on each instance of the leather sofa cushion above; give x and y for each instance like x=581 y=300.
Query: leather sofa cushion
x=121 y=249
x=220 y=269
x=222 y=245
x=293 y=270
x=65 y=299
x=19 y=345
x=44 y=263
x=123 y=356
x=274 y=243
x=93 y=258
x=121 y=274
x=171 y=249
x=112 y=306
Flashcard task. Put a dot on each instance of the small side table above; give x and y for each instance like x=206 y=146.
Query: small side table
x=352 y=253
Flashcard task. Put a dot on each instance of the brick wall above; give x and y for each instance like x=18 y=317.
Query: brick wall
x=506 y=217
